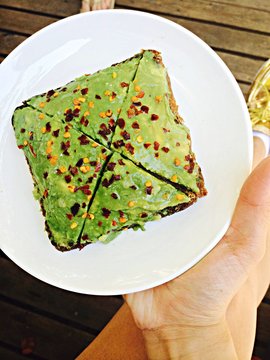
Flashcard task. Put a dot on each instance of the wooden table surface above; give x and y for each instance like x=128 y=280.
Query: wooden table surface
x=59 y=324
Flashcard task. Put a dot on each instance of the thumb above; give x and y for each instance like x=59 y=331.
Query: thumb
x=247 y=233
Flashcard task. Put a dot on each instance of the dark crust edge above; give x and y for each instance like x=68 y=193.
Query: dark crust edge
x=179 y=120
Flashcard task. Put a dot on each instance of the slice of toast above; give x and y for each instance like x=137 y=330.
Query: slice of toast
x=65 y=165
x=150 y=131
x=128 y=197
x=91 y=102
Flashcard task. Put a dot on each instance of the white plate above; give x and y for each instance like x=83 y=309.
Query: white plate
x=209 y=100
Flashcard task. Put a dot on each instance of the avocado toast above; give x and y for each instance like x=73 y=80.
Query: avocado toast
x=108 y=152
x=65 y=165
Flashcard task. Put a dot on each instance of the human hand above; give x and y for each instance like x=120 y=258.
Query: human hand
x=197 y=302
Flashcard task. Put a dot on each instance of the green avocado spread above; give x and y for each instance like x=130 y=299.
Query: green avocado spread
x=148 y=132
x=108 y=152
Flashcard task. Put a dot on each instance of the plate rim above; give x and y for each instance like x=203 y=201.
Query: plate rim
x=120 y=290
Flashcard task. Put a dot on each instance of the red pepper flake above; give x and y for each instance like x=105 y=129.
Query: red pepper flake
x=114 y=196
x=117 y=177
x=90 y=180
x=148 y=190
x=79 y=162
x=130 y=113
x=67 y=128
x=65 y=145
x=45 y=175
x=121 y=123
x=104 y=131
x=75 y=209
x=84 y=140
x=133 y=187
x=68 y=117
x=68 y=179
x=84 y=121
x=119 y=143
x=135 y=125
x=32 y=151
x=140 y=95
x=106 y=183
x=103 y=134
x=121 y=213
x=121 y=162
x=165 y=149
x=20 y=147
x=85 y=189
x=112 y=124
x=146 y=145
x=48 y=127
x=156 y=145
x=100 y=223
x=50 y=93
x=114 y=223
x=69 y=216
x=76 y=112
x=154 y=117
x=45 y=194
x=55 y=133
x=113 y=95
x=187 y=157
x=189 y=168
x=124 y=84
x=85 y=237
x=137 y=112
x=93 y=163
x=84 y=91
x=143 y=215
x=130 y=148
x=98 y=97
x=22 y=130
x=106 y=212
x=125 y=135
x=156 y=155
x=145 y=109
x=98 y=167
x=111 y=166
x=137 y=103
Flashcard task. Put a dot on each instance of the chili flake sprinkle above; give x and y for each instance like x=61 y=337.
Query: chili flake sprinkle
x=147 y=144
x=154 y=117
